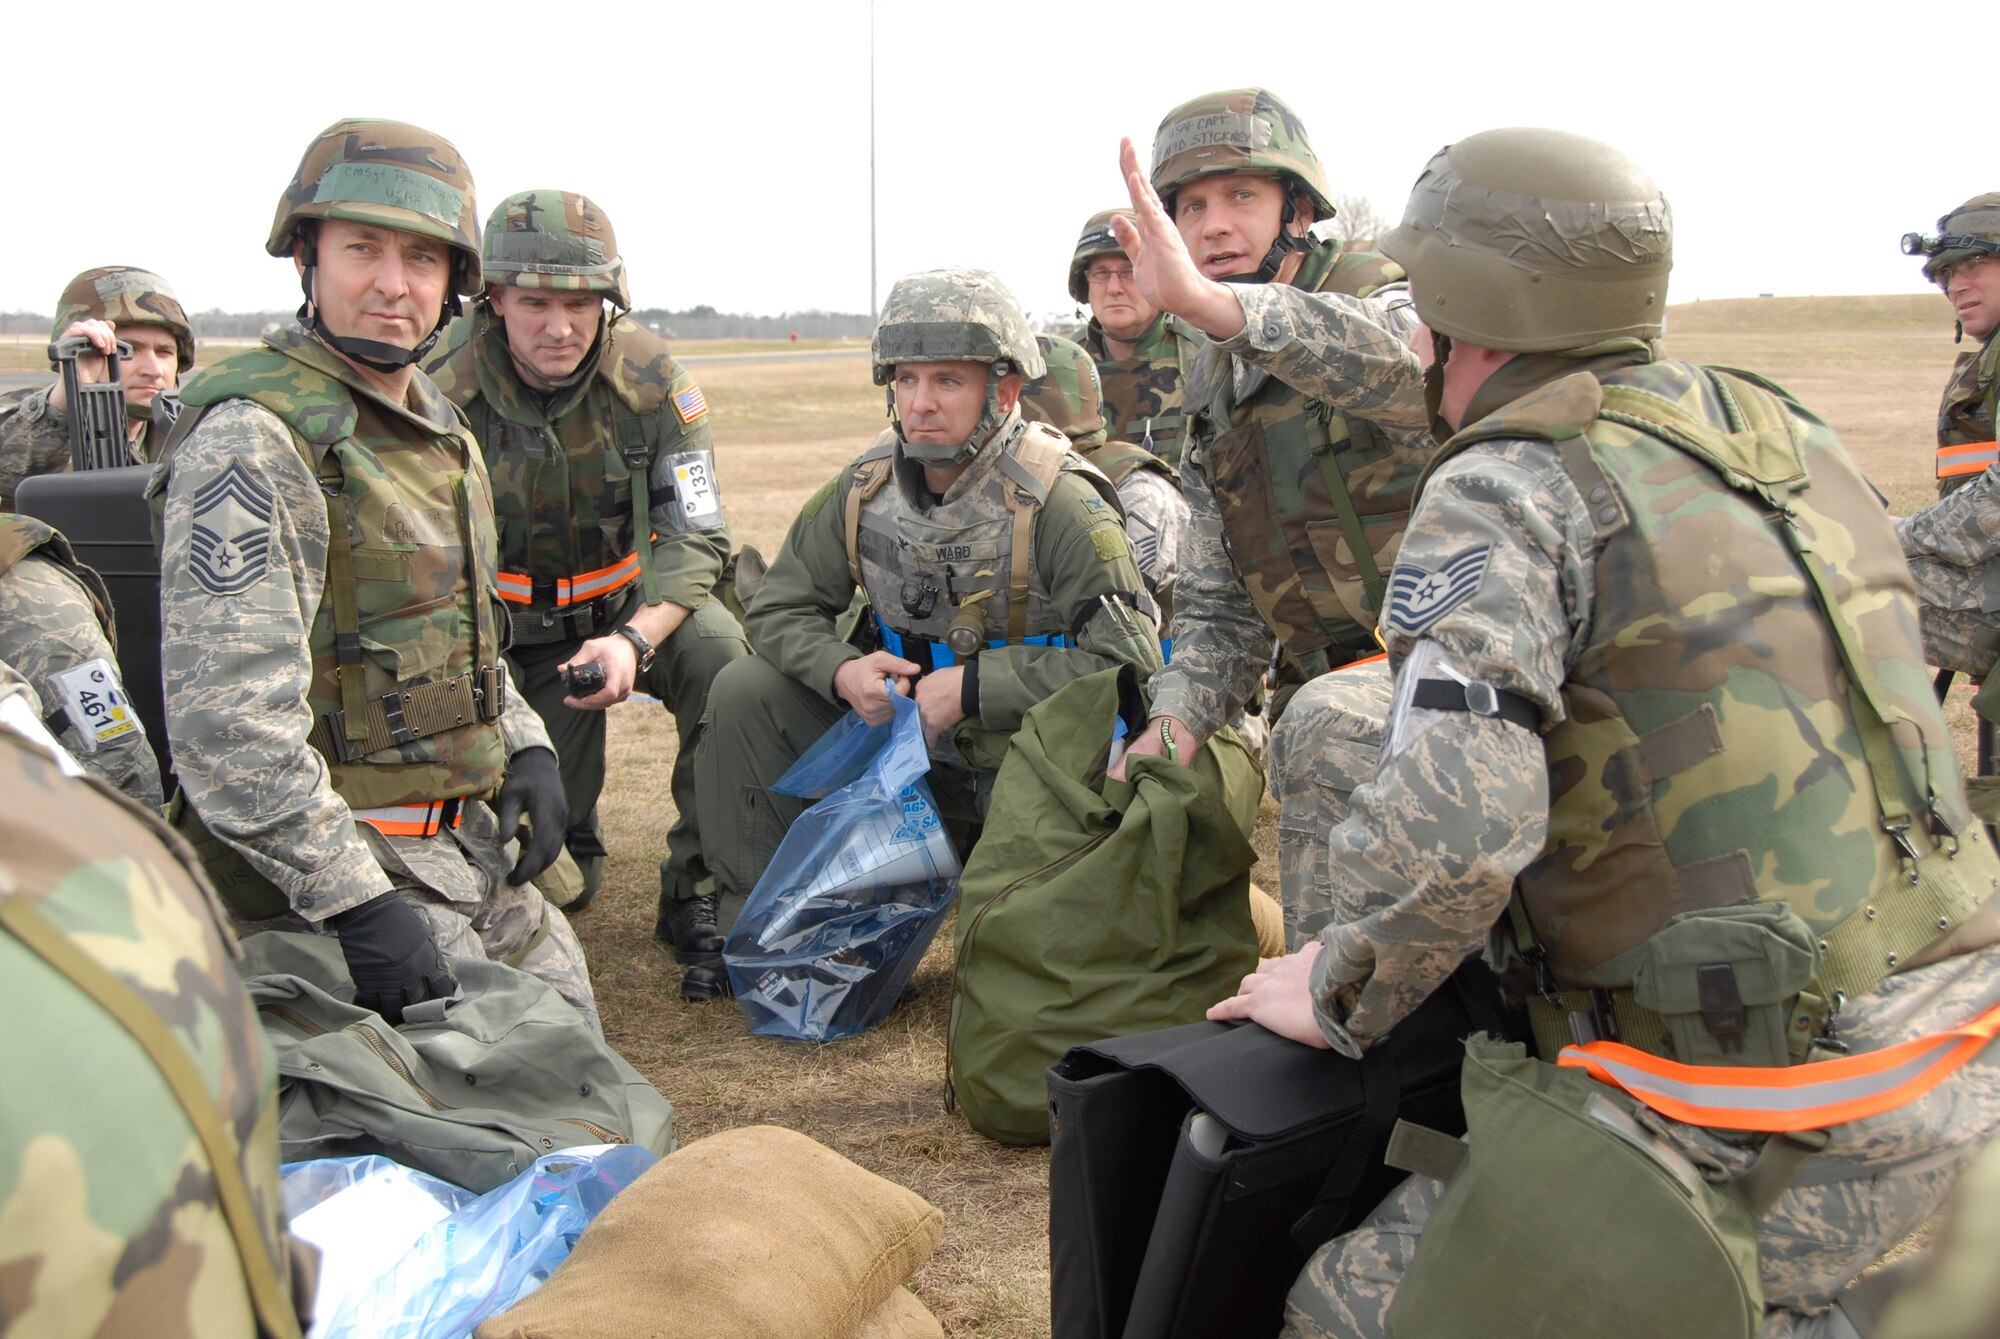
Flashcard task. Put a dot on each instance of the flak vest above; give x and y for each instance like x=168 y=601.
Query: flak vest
x=407 y=689
x=1143 y=392
x=1754 y=807
x=21 y=536
x=1966 y=417
x=1313 y=503
x=921 y=567
x=571 y=506
x=1121 y=460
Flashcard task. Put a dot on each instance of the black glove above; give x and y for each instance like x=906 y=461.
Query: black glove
x=390 y=955
x=533 y=786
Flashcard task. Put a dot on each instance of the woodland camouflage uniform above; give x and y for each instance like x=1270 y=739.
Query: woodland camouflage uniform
x=1270 y=552
x=564 y=491
x=1142 y=391
x=55 y=622
x=34 y=435
x=1617 y=699
x=113 y=1218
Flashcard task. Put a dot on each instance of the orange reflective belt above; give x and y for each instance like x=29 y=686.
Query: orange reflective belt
x=1965 y=458
x=1799 y=1097
x=519 y=588
x=411 y=820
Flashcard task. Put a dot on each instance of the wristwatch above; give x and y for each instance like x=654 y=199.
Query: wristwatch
x=639 y=644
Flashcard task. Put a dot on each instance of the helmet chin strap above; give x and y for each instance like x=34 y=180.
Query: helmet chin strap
x=1286 y=243
x=371 y=353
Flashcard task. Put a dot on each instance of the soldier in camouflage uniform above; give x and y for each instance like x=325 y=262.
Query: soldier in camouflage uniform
x=1629 y=640
x=593 y=432
x=1952 y=545
x=1142 y=353
x=139 y=1188
x=55 y=628
x=337 y=704
x=104 y=305
x=929 y=523
x=1297 y=497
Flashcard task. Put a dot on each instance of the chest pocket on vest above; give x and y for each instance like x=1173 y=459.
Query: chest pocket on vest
x=409 y=591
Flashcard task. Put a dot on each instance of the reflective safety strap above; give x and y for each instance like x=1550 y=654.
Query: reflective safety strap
x=412 y=820
x=275 y=1313
x=1962 y=458
x=1794 y=1098
x=519 y=587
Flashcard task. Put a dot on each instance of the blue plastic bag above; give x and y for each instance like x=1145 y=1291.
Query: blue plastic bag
x=829 y=936
x=404 y=1253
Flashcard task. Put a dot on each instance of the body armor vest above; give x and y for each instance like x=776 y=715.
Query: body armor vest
x=1143 y=391
x=1313 y=504
x=407 y=689
x=23 y=535
x=1966 y=417
x=1120 y=460
x=1717 y=750
x=921 y=566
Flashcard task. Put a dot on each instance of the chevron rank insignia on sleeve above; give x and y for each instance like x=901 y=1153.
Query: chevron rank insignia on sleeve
x=1418 y=598
x=230 y=549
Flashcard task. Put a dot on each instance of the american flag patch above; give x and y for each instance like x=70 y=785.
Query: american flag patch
x=1418 y=599
x=691 y=404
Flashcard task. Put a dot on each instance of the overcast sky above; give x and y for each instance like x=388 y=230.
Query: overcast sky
x=730 y=142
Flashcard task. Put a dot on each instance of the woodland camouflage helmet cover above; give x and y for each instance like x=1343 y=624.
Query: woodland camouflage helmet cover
x=1097 y=240
x=555 y=240
x=948 y=316
x=1536 y=241
x=1248 y=130
x=1971 y=229
x=126 y=296
x=390 y=174
x=1068 y=396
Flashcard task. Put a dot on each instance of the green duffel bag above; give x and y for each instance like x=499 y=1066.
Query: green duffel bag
x=1092 y=908
x=472 y=1091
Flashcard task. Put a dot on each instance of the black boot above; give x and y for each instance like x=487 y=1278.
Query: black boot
x=688 y=923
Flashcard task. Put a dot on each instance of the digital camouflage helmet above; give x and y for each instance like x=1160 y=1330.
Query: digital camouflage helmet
x=1097 y=240
x=1251 y=131
x=950 y=316
x=1536 y=241
x=392 y=175
x=126 y=296
x=1068 y=395
x=555 y=240
x=1972 y=229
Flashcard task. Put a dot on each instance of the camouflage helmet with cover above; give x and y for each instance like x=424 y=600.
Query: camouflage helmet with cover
x=1097 y=240
x=126 y=296
x=388 y=174
x=1243 y=130
x=1536 y=241
x=1972 y=229
x=558 y=240
x=1067 y=396
x=950 y=316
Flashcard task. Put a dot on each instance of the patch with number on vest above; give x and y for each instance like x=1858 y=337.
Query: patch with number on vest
x=1418 y=598
x=229 y=551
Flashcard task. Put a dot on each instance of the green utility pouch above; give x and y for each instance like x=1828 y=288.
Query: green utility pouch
x=1569 y=1218
x=248 y=895
x=1725 y=980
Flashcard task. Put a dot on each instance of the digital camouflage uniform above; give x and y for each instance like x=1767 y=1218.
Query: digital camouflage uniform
x=1688 y=741
x=55 y=625
x=34 y=435
x=1142 y=390
x=1085 y=603
x=111 y=1222
x=1270 y=551
x=564 y=495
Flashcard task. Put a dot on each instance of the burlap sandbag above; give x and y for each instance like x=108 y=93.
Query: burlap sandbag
x=1269 y=918
x=754 y=1232
x=901 y=1317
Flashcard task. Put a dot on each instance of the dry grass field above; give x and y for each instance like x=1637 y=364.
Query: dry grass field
x=1872 y=366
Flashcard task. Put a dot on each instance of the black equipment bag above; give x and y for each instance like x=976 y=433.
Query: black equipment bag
x=1193 y=1170
x=103 y=515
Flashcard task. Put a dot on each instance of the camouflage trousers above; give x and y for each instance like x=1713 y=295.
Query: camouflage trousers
x=1958 y=611
x=1878 y=1181
x=1324 y=746
x=458 y=880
